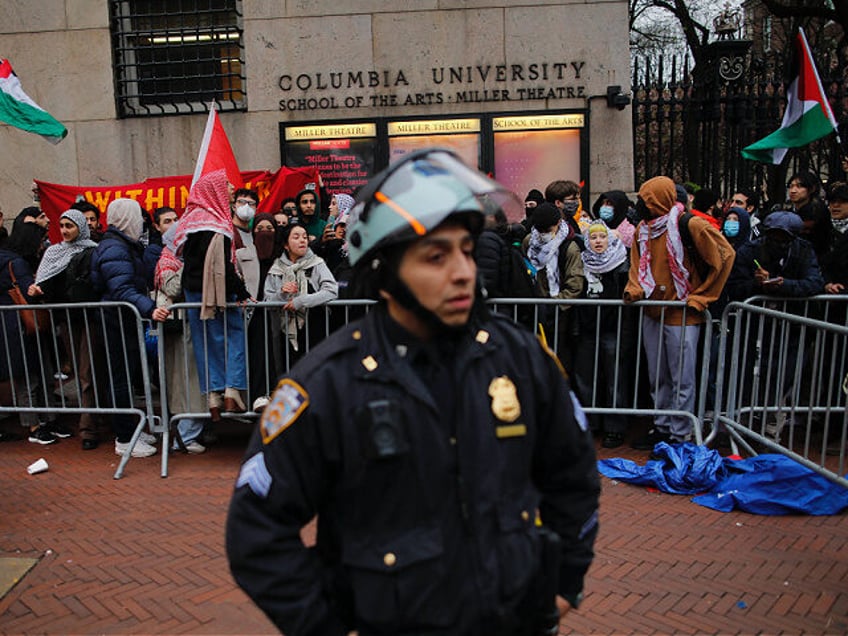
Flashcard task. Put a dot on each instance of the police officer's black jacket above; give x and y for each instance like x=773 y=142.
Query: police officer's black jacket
x=426 y=513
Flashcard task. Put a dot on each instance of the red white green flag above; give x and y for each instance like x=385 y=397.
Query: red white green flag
x=17 y=108
x=807 y=117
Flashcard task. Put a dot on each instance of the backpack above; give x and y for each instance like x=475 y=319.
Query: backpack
x=78 y=284
x=520 y=275
x=689 y=244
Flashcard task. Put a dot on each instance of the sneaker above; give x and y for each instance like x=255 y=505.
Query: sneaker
x=260 y=403
x=42 y=436
x=612 y=440
x=59 y=430
x=141 y=449
x=650 y=440
x=147 y=438
x=195 y=448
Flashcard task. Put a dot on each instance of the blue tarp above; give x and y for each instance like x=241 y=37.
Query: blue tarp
x=767 y=484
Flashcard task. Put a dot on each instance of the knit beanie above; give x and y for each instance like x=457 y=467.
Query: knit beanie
x=535 y=195
x=545 y=216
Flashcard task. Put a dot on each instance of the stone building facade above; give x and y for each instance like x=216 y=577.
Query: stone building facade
x=518 y=87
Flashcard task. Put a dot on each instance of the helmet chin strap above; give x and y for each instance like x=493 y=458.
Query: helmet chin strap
x=406 y=299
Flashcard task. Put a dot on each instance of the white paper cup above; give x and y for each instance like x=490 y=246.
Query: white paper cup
x=36 y=467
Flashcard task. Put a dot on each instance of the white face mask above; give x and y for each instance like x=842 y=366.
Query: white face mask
x=245 y=212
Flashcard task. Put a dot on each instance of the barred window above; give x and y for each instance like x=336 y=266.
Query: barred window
x=176 y=56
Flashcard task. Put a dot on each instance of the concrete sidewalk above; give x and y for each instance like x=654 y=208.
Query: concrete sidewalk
x=145 y=554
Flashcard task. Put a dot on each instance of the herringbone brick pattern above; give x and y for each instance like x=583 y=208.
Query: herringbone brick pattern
x=145 y=555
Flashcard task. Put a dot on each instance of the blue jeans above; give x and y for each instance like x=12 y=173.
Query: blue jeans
x=218 y=348
x=189 y=430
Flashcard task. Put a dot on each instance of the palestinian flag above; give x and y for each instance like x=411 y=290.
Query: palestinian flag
x=807 y=117
x=17 y=109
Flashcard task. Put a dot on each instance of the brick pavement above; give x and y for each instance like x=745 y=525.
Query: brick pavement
x=145 y=555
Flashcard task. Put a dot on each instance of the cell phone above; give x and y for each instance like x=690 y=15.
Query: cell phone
x=773 y=279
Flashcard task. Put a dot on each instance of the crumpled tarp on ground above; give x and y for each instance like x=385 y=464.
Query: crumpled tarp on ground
x=768 y=484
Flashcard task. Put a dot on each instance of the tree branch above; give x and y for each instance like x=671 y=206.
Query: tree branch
x=780 y=10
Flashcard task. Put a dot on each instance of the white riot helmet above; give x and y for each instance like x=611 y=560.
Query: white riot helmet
x=418 y=193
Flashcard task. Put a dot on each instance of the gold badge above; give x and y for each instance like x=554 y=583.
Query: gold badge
x=505 y=405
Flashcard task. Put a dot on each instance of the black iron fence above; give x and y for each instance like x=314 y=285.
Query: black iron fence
x=691 y=124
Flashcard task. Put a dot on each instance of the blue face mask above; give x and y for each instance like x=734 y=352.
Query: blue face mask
x=606 y=212
x=731 y=228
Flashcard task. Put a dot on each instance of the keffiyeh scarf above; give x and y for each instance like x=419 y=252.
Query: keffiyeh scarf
x=666 y=224
x=543 y=252
x=595 y=264
x=207 y=210
x=288 y=271
x=57 y=257
x=168 y=261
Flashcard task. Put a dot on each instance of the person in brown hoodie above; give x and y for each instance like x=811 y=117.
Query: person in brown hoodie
x=662 y=269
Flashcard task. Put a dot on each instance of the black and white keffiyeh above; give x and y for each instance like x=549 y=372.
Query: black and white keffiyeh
x=57 y=257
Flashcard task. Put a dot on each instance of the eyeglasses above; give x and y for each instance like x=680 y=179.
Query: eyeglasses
x=249 y=202
x=290 y=208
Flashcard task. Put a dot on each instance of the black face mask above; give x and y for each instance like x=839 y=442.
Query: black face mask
x=776 y=252
x=642 y=211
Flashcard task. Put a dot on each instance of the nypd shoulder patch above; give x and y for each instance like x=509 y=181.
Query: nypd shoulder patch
x=289 y=401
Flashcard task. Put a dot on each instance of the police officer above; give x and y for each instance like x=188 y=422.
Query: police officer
x=440 y=447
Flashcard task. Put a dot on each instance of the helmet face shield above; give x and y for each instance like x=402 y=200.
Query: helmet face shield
x=416 y=194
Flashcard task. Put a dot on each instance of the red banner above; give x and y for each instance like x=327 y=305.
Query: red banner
x=172 y=192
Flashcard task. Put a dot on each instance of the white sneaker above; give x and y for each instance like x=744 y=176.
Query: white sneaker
x=148 y=438
x=141 y=449
x=195 y=448
x=260 y=403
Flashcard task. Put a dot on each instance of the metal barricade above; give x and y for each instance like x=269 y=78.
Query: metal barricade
x=271 y=344
x=610 y=375
x=72 y=365
x=785 y=365
x=796 y=353
x=618 y=395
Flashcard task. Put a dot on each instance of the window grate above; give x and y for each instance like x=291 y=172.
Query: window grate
x=177 y=56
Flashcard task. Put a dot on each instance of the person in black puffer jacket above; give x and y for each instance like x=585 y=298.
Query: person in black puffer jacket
x=118 y=270
x=20 y=364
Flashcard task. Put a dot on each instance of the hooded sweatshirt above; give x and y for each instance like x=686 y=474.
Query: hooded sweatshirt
x=713 y=250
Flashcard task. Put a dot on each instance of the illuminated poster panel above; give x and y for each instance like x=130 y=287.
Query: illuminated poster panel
x=531 y=152
x=460 y=135
x=343 y=154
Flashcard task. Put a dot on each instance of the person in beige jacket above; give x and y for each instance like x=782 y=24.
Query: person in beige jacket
x=663 y=268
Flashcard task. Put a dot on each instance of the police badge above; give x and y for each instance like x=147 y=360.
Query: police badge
x=505 y=405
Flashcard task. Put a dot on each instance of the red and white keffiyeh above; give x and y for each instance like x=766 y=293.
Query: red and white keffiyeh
x=666 y=224
x=207 y=210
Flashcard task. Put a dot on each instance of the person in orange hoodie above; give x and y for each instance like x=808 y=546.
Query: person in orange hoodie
x=662 y=269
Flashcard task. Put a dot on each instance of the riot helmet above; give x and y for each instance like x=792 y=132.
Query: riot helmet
x=404 y=203
x=415 y=195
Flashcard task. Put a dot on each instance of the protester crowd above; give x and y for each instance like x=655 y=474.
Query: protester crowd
x=670 y=242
